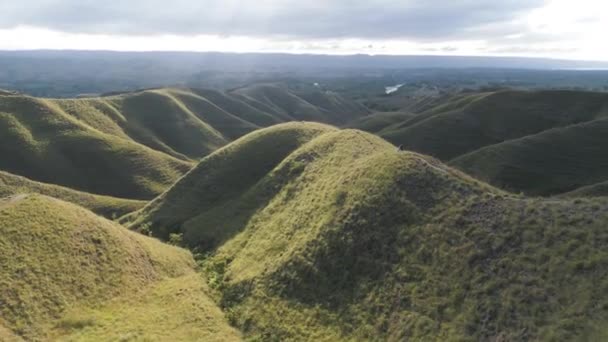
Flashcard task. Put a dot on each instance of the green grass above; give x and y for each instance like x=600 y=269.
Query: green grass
x=176 y=309
x=67 y=274
x=511 y=139
x=229 y=125
x=225 y=175
x=343 y=237
x=40 y=141
x=338 y=109
x=303 y=231
x=135 y=145
x=376 y=122
x=108 y=207
x=549 y=163
x=158 y=114
x=238 y=108
x=594 y=190
x=472 y=122
x=310 y=106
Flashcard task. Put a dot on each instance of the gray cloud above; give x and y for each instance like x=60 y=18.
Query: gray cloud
x=371 y=19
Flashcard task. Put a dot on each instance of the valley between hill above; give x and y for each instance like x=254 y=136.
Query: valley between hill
x=338 y=236
x=235 y=218
x=135 y=145
x=541 y=143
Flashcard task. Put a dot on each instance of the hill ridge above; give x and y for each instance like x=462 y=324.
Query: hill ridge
x=517 y=164
x=143 y=140
x=347 y=238
x=109 y=207
x=513 y=122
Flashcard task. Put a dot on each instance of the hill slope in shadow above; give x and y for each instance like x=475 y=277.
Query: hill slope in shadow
x=109 y=207
x=552 y=162
x=513 y=139
x=341 y=236
x=134 y=145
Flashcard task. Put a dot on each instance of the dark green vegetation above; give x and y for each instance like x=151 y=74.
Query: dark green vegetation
x=376 y=122
x=215 y=184
x=66 y=274
x=41 y=140
x=109 y=207
x=314 y=105
x=539 y=143
x=303 y=231
x=552 y=162
x=336 y=235
x=595 y=190
x=135 y=145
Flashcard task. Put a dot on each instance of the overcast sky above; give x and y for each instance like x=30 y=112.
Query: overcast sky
x=549 y=28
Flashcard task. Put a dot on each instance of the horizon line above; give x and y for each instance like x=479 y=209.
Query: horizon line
x=292 y=53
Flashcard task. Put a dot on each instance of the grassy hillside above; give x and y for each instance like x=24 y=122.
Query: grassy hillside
x=232 y=104
x=66 y=274
x=470 y=122
x=508 y=137
x=226 y=123
x=134 y=145
x=339 y=110
x=223 y=177
x=42 y=142
x=154 y=118
x=378 y=121
x=176 y=309
x=553 y=162
x=343 y=237
x=316 y=106
x=109 y=207
x=594 y=190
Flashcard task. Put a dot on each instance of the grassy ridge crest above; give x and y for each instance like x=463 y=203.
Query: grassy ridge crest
x=345 y=237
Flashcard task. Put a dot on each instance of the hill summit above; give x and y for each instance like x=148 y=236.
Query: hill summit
x=135 y=145
x=67 y=274
x=337 y=235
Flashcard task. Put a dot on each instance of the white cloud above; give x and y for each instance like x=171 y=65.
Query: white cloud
x=557 y=28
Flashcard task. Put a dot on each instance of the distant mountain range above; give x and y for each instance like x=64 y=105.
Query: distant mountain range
x=263 y=61
x=70 y=73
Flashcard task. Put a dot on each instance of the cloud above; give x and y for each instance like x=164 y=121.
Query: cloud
x=281 y=19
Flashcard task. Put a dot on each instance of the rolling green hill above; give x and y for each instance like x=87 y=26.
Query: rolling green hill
x=336 y=235
x=319 y=106
x=135 y=145
x=303 y=231
x=232 y=166
x=109 y=207
x=552 y=162
x=42 y=142
x=67 y=274
x=235 y=106
x=594 y=190
x=378 y=121
x=509 y=138
x=469 y=123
